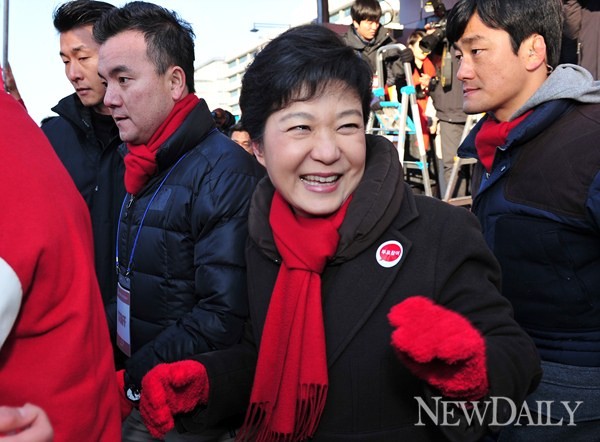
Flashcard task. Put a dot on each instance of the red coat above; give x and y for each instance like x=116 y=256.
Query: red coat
x=57 y=354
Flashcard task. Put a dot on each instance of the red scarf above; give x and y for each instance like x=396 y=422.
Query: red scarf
x=140 y=161
x=492 y=134
x=290 y=384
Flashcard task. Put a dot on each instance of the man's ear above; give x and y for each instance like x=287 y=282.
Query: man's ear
x=257 y=148
x=176 y=78
x=535 y=52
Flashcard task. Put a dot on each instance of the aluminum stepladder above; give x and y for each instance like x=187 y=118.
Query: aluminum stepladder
x=458 y=163
x=402 y=123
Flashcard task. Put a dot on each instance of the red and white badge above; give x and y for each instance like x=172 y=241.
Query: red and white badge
x=389 y=254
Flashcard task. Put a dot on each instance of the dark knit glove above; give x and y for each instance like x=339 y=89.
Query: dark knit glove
x=125 y=404
x=170 y=389
x=441 y=347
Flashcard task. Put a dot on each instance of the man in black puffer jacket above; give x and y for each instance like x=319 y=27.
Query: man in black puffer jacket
x=85 y=136
x=183 y=223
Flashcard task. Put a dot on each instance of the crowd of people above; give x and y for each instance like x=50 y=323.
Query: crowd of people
x=170 y=273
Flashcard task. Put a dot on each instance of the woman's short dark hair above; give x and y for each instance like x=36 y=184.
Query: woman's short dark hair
x=519 y=18
x=297 y=66
x=169 y=39
x=365 y=10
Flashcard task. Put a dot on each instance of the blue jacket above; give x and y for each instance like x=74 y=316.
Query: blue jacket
x=539 y=208
x=188 y=273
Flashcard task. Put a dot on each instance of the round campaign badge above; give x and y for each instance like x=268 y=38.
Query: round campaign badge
x=389 y=254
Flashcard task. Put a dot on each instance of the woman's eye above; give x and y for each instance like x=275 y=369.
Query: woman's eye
x=299 y=128
x=349 y=128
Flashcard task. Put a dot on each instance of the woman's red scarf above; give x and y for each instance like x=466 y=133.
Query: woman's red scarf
x=140 y=161
x=290 y=383
x=492 y=134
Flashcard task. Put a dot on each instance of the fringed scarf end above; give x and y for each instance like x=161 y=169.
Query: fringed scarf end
x=309 y=408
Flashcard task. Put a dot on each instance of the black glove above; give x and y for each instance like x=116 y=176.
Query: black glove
x=399 y=55
x=406 y=56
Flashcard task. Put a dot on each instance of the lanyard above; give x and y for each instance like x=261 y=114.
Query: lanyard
x=137 y=235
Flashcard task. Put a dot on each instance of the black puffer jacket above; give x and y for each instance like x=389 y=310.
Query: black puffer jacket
x=97 y=171
x=188 y=275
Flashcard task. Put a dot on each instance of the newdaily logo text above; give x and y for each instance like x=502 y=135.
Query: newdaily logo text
x=493 y=411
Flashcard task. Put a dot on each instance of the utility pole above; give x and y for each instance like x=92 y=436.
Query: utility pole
x=322 y=11
x=5 y=39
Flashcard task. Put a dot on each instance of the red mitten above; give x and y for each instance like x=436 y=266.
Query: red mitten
x=125 y=404
x=441 y=347
x=170 y=389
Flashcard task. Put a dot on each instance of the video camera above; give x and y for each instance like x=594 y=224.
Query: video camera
x=430 y=41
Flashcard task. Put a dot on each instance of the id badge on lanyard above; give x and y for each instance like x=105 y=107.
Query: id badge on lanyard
x=123 y=314
x=124 y=285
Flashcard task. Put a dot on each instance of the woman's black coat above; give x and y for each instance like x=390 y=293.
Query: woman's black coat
x=372 y=395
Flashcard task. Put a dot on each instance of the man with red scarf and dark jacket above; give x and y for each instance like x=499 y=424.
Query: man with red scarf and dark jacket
x=183 y=222
x=536 y=192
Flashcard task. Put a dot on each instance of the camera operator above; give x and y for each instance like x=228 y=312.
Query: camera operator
x=446 y=93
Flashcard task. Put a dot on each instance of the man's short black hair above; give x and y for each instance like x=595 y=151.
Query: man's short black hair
x=519 y=18
x=169 y=39
x=78 y=13
x=365 y=10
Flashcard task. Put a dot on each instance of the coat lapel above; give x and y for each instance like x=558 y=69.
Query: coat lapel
x=352 y=292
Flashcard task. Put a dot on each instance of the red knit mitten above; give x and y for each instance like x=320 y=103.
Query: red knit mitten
x=124 y=403
x=170 y=389
x=441 y=347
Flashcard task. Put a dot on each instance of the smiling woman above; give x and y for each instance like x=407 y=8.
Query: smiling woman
x=315 y=150
x=342 y=260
